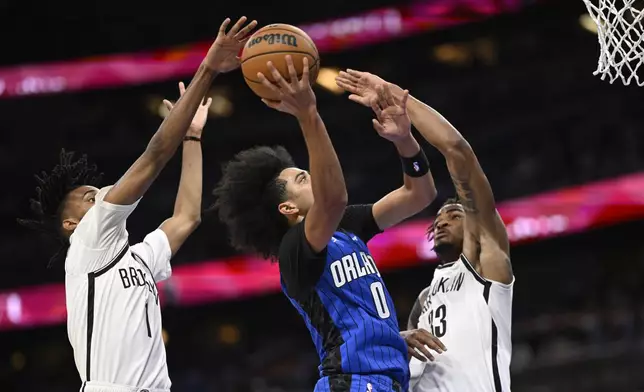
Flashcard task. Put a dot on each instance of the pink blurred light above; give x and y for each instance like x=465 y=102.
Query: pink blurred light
x=547 y=215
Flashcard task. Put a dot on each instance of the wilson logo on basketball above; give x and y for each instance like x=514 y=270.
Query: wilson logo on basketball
x=270 y=39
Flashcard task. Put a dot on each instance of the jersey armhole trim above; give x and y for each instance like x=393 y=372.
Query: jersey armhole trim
x=112 y=263
x=91 y=280
x=483 y=280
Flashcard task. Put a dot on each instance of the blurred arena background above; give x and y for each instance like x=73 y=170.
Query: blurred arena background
x=562 y=149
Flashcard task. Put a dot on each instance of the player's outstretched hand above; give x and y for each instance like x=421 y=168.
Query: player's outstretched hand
x=199 y=120
x=362 y=86
x=222 y=55
x=296 y=96
x=392 y=121
x=419 y=342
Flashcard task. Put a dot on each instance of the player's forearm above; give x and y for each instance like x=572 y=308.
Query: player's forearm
x=421 y=190
x=188 y=202
x=327 y=178
x=434 y=127
x=170 y=134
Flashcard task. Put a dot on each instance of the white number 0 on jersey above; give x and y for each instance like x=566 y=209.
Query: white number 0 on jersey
x=379 y=299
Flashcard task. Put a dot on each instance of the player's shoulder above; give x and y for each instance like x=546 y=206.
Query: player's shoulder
x=292 y=236
x=423 y=294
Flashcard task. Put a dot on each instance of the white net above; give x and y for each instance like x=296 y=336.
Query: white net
x=621 y=37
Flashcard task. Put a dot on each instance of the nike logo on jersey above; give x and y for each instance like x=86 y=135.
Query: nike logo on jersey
x=135 y=277
x=352 y=267
x=446 y=285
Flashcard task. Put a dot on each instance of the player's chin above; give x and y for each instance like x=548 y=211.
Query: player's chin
x=443 y=244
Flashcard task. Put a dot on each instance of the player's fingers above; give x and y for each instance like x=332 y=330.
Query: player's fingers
x=382 y=101
x=375 y=107
x=271 y=104
x=292 y=73
x=267 y=83
x=346 y=85
x=403 y=100
x=168 y=105
x=224 y=26
x=431 y=341
x=420 y=347
x=354 y=73
x=243 y=34
x=440 y=344
x=208 y=103
x=377 y=126
x=388 y=96
x=358 y=99
x=277 y=77
x=233 y=30
x=347 y=78
x=305 y=71
x=182 y=89
x=415 y=354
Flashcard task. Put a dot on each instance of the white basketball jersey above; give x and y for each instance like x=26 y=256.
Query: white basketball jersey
x=472 y=316
x=113 y=311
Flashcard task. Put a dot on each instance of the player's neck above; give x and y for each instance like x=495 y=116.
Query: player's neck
x=448 y=255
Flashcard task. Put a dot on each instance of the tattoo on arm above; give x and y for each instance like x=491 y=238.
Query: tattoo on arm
x=465 y=193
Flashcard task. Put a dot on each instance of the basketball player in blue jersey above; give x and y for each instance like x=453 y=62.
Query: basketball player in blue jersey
x=301 y=219
x=468 y=304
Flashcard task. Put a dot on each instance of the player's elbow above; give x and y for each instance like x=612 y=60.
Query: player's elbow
x=425 y=196
x=457 y=146
x=189 y=222
x=419 y=198
x=459 y=154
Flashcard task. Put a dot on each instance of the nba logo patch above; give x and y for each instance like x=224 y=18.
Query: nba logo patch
x=369 y=387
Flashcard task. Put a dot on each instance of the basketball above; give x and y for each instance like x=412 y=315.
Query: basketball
x=273 y=43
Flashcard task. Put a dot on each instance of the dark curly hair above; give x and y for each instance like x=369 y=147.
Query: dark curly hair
x=247 y=199
x=51 y=192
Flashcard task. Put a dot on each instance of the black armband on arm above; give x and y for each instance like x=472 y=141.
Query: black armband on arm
x=416 y=166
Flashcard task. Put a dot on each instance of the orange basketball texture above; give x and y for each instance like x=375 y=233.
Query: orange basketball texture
x=273 y=43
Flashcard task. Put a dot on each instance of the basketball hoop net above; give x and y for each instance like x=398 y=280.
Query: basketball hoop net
x=621 y=35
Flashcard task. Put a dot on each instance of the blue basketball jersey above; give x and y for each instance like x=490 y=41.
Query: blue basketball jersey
x=344 y=302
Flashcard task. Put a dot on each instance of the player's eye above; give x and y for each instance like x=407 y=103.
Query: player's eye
x=92 y=199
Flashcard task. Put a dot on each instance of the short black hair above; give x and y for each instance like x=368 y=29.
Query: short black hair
x=451 y=200
x=247 y=198
x=51 y=191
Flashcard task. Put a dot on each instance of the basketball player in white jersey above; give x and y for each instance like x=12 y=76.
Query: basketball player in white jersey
x=114 y=317
x=468 y=305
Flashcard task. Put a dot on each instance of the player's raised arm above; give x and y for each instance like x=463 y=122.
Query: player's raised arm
x=327 y=181
x=221 y=57
x=187 y=208
x=418 y=190
x=485 y=228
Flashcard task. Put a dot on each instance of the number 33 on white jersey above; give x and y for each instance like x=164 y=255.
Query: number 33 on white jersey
x=472 y=316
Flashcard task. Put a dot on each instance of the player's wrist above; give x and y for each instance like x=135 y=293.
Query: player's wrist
x=407 y=146
x=396 y=90
x=307 y=114
x=194 y=131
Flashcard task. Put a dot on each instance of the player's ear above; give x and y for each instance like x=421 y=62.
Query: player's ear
x=288 y=208
x=70 y=224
